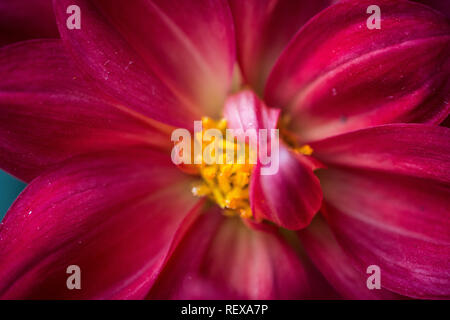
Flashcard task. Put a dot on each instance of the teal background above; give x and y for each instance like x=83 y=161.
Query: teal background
x=9 y=190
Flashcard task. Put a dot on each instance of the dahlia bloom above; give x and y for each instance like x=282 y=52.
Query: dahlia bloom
x=364 y=166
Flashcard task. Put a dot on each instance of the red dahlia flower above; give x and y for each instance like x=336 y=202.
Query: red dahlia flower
x=364 y=167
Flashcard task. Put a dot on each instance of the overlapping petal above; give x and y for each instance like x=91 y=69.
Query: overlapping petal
x=220 y=258
x=49 y=112
x=338 y=75
x=290 y=195
x=26 y=19
x=387 y=202
x=116 y=215
x=327 y=255
x=264 y=28
x=181 y=71
x=396 y=222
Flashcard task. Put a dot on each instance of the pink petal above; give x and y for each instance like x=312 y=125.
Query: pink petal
x=442 y=5
x=188 y=45
x=264 y=28
x=291 y=197
x=335 y=265
x=220 y=258
x=410 y=149
x=337 y=75
x=398 y=223
x=49 y=112
x=26 y=19
x=245 y=111
x=114 y=214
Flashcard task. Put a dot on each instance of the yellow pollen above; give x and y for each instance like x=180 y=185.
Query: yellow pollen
x=227 y=184
x=305 y=149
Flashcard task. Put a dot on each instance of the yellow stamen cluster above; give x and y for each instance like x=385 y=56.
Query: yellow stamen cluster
x=305 y=149
x=227 y=184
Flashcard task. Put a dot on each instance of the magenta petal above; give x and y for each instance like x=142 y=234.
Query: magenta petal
x=117 y=69
x=394 y=214
x=220 y=258
x=411 y=149
x=396 y=222
x=187 y=54
x=114 y=214
x=264 y=28
x=291 y=197
x=327 y=255
x=26 y=19
x=337 y=75
x=189 y=44
x=48 y=112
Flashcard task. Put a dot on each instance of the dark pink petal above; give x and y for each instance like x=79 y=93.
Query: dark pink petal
x=152 y=53
x=411 y=149
x=48 y=112
x=337 y=75
x=398 y=223
x=290 y=197
x=26 y=19
x=116 y=215
x=442 y=5
x=328 y=256
x=264 y=28
x=220 y=258
x=189 y=44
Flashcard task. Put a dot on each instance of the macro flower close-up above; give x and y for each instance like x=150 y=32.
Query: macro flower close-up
x=347 y=198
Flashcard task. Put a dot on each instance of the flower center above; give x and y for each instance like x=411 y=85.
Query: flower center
x=224 y=180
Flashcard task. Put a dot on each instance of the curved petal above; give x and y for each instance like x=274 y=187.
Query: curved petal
x=264 y=28
x=337 y=75
x=327 y=255
x=48 y=112
x=188 y=52
x=290 y=197
x=221 y=258
x=113 y=214
x=398 y=223
x=410 y=149
x=26 y=19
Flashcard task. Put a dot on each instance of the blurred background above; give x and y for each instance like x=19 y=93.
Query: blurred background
x=9 y=190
